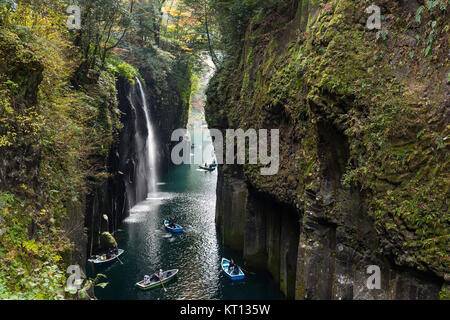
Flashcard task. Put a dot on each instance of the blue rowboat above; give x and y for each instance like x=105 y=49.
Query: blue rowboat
x=177 y=228
x=232 y=275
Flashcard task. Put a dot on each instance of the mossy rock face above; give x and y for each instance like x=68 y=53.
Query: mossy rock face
x=445 y=292
x=66 y=256
x=21 y=65
x=107 y=241
x=256 y=260
x=361 y=122
x=21 y=73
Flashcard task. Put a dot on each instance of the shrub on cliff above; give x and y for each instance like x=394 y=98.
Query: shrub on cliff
x=54 y=142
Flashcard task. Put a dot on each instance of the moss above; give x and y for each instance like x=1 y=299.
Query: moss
x=54 y=142
x=123 y=70
x=444 y=294
x=291 y=287
x=300 y=283
x=66 y=256
x=233 y=238
x=107 y=241
x=256 y=260
x=340 y=72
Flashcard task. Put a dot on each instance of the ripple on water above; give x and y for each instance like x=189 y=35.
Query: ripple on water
x=189 y=197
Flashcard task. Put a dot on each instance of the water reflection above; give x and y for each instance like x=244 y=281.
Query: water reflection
x=188 y=196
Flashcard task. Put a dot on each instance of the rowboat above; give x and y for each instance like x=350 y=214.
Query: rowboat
x=167 y=276
x=207 y=168
x=177 y=228
x=238 y=276
x=99 y=259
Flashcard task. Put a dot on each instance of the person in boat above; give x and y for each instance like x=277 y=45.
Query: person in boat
x=146 y=279
x=172 y=223
x=232 y=267
x=158 y=276
x=114 y=252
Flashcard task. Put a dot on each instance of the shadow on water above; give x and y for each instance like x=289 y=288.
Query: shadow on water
x=189 y=196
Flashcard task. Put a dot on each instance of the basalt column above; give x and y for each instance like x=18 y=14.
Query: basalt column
x=271 y=239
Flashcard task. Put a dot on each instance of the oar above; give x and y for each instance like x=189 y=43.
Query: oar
x=165 y=290
x=119 y=259
x=247 y=271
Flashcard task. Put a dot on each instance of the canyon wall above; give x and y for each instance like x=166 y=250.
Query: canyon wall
x=168 y=103
x=169 y=100
x=363 y=119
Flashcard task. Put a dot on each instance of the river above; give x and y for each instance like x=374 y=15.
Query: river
x=188 y=195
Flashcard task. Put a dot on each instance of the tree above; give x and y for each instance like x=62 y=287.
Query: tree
x=202 y=12
x=104 y=25
x=148 y=19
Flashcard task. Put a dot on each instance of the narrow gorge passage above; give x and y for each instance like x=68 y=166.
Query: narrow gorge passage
x=189 y=195
x=103 y=104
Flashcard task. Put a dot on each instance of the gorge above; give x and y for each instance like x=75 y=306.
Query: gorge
x=341 y=198
x=87 y=116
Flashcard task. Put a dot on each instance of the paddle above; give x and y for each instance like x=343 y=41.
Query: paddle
x=119 y=259
x=246 y=271
x=165 y=290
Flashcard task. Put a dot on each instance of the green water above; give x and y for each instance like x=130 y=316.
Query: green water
x=188 y=195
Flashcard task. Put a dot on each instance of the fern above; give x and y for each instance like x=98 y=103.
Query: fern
x=418 y=14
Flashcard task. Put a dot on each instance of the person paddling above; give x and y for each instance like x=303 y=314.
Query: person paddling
x=232 y=267
x=158 y=276
x=172 y=223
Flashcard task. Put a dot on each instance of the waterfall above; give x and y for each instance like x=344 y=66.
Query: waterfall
x=146 y=175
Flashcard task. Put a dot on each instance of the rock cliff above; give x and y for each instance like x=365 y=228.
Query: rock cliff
x=363 y=118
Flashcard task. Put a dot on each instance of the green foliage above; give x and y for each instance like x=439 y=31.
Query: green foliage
x=432 y=3
x=29 y=269
x=59 y=116
x=418 y=14
x=336 y=72
x=234 y=16
x=87 y=286
x=122 y=69
x=147 y=22
x=444 y=294
x=60 y=139
x=105 y=23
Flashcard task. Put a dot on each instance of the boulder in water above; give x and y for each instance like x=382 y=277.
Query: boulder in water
x=107 y=241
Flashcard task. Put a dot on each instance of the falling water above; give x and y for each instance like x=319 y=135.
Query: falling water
x=150 y=146
x=190 y=197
